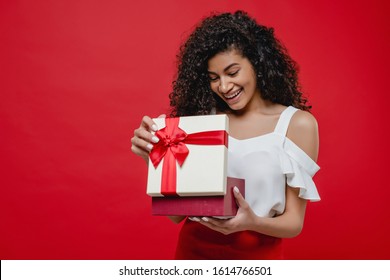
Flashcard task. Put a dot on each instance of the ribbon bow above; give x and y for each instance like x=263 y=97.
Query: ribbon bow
x=172 y=147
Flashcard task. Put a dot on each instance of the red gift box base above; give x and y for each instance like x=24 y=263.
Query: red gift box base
x=220 y=206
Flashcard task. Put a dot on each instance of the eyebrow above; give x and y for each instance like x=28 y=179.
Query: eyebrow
x=226 y=68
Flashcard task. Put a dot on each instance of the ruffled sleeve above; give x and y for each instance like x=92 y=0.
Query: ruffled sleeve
x=299 y=169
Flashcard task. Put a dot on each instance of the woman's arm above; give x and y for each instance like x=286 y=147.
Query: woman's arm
x=303 y=131
x=289 y=224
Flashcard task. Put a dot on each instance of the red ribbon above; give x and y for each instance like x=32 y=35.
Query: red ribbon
x=172 y=147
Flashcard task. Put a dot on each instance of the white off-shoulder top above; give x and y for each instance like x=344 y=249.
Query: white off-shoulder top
x=267 y=163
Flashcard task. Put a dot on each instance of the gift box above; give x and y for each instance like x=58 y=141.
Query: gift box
x=216 y=206
x=190 y=158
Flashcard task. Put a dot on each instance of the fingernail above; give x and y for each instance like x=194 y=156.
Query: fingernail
x=149 y=147
x=236 y=190
x=155 y=139
x=154 y=127
x=195 y=219
x=205 y=219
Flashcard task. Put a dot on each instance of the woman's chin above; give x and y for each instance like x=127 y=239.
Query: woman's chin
x=236 y=106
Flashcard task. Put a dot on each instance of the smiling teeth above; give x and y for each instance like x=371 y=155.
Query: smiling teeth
x=233 y=95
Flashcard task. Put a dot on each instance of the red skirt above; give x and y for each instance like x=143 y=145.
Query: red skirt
x=198 y=242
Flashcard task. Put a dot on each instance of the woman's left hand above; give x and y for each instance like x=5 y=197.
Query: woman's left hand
x=244 y=220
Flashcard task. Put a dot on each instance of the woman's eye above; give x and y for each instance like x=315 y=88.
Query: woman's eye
x=212 y=79
x=233 y=73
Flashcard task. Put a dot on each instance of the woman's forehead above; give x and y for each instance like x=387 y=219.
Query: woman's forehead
x=224 y=59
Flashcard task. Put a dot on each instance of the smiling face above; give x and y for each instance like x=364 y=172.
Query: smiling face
x=233 y=79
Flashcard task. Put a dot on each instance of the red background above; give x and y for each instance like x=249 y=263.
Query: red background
x=77 y=76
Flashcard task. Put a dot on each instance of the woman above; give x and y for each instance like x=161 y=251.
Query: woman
x=232 y=65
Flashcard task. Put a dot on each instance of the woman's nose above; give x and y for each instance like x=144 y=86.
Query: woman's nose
x=224 y=86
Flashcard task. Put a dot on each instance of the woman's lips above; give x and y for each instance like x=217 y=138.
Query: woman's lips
x=232 y=96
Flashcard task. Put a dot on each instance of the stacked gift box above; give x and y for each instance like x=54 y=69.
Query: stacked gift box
x=188 y=166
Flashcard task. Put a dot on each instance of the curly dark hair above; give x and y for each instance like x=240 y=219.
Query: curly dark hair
x=277 y=73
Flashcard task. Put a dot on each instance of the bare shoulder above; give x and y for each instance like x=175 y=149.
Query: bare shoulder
x=303 y=121
x=303 y=131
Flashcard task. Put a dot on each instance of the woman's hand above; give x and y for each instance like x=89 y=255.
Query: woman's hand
x=143 y=139
x=245 y=218
x=289 y=224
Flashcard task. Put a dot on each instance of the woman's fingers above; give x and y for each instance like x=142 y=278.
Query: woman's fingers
x=241 y=202
x=143 y=140
x=140 y=152
x=148 y=124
